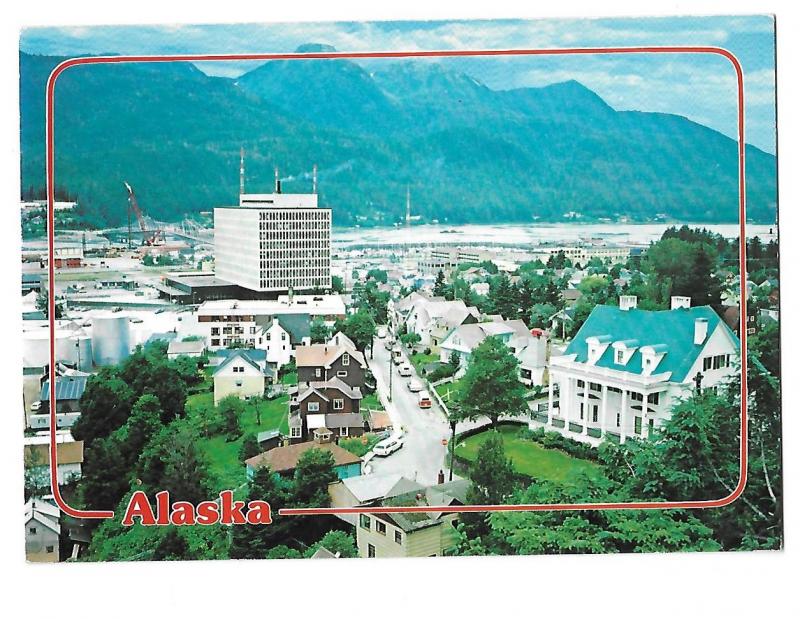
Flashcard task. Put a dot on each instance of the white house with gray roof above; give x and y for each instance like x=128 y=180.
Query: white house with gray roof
x=626 y=367
x=238 y=375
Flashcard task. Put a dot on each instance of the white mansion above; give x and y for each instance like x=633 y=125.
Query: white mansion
x=625 y=368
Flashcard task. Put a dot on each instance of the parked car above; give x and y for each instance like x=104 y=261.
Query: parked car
x=389 y=343
x=397 y=356
x=36 y=407
x=382 y=332
x=415 y=385
x=424 y=399
x=387 y=447
x=405 y=370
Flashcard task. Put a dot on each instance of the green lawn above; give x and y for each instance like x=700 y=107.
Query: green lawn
x=530 y=458
x=418 y=360
x=359 y=445
x=371 y=402
x=448 y=391
x=290 y=378
x=225 y=468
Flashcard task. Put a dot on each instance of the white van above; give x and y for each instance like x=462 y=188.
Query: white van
x=387 y=446
x=405 y=370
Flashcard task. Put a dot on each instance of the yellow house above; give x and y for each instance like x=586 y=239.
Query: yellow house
x=417 y=534
x=238 y=375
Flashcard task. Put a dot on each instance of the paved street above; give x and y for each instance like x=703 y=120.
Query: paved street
x=422 y=455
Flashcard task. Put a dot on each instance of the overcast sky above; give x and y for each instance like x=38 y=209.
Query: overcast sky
x=699 y=87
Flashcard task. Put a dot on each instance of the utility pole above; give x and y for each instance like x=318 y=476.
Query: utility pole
x=390 y=378
x=452 y=445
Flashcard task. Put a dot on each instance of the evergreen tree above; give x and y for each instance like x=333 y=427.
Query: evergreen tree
x=255 y=541
x=440 y=285
x=492 y=476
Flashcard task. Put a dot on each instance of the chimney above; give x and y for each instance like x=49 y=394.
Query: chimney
x=680 y=302
x=627 y=302
x=700 y=331
x=277 y=181
x=440 y=477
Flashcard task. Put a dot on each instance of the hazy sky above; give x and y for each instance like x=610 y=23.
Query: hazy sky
x=701 y=88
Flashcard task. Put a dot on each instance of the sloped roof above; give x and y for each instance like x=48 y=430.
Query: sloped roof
x=354 y=393
x=67 y=453
x=367 y=488
x=673 y=329
x=344 y=420
x=440 y=495
x=298 y=326
x=182 y=348
x=67 y=388
x=317 y=355
x=238 y=354
x=284 y=459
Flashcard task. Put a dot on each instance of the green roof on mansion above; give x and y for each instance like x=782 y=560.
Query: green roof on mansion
x=667 y=331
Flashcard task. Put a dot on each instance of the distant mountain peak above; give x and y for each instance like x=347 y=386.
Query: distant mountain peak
x=314 y=48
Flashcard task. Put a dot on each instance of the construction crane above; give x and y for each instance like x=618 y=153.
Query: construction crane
x=149 y=237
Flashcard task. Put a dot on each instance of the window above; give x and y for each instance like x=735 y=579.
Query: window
x=370 y=551
x=707 y=363
x=637 y=425
x=380 y=527
x=344 y=431
x=594 y=413
x=345 y=359
x=238 y=383
x=338 y=404
x=398 y=537
x=364 y=521
x=341 y=373
x=296 y=432
x=252 y=330
x=580 y=383
x=581 y=411
x=318 y=372
x=49 y=548
x=214 y=330
x=269 y=336
x=653 y=398
x=619 y=356
x=637 y=397
x=618 y=420
x=313 y=407
x=215 y=341
x=32 y=530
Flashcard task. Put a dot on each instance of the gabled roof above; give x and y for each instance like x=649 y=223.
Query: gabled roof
x=354 y=393
x=674 y=329
x=324 y=355
x=340 y=339
x=367 y=488
x=67 y=388
x=440 y=495
x=186 y=347
x=284 y=459
x=298 y=326
x=242 y=355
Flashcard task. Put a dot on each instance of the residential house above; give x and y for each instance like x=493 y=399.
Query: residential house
x=276 y=341
x=69 y=390
x=431 y=319
x=239 y=375
x=69 y=457
x=321 y=362
x=187 y=348
x=413 y=534
x=283 y=460
x=465 y=339
x=626 y=367
x=332 y=405
x=42 y=531
x=368 y=490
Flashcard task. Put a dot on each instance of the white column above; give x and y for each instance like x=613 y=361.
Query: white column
x=550 y=401
x=604 y=411
x=643 y=433
x=585 y=429
x=565 y=402
x=623 y=415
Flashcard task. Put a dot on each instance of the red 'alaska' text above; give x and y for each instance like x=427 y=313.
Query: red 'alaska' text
x=224 y=510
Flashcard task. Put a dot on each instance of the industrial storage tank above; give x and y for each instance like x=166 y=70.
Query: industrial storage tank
x=72 y=345
x=111 y=337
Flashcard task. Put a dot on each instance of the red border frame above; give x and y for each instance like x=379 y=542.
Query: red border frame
x=50 y=137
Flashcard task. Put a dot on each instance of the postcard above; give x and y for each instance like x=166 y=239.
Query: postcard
x=400 y=289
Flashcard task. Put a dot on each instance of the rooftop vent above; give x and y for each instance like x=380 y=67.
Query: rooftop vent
x=700 y=331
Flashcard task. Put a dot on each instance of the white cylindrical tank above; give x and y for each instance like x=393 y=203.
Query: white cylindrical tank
x=111 y=338
x=72 y=346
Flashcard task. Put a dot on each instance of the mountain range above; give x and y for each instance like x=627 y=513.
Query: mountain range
x=468 y=153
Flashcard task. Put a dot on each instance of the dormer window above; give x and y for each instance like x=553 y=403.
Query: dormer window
x=620 y=356
x=345 y=359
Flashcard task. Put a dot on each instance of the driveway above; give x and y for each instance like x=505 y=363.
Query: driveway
x=422 y=455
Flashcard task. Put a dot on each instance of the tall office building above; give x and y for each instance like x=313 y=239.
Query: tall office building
x=274 y=242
